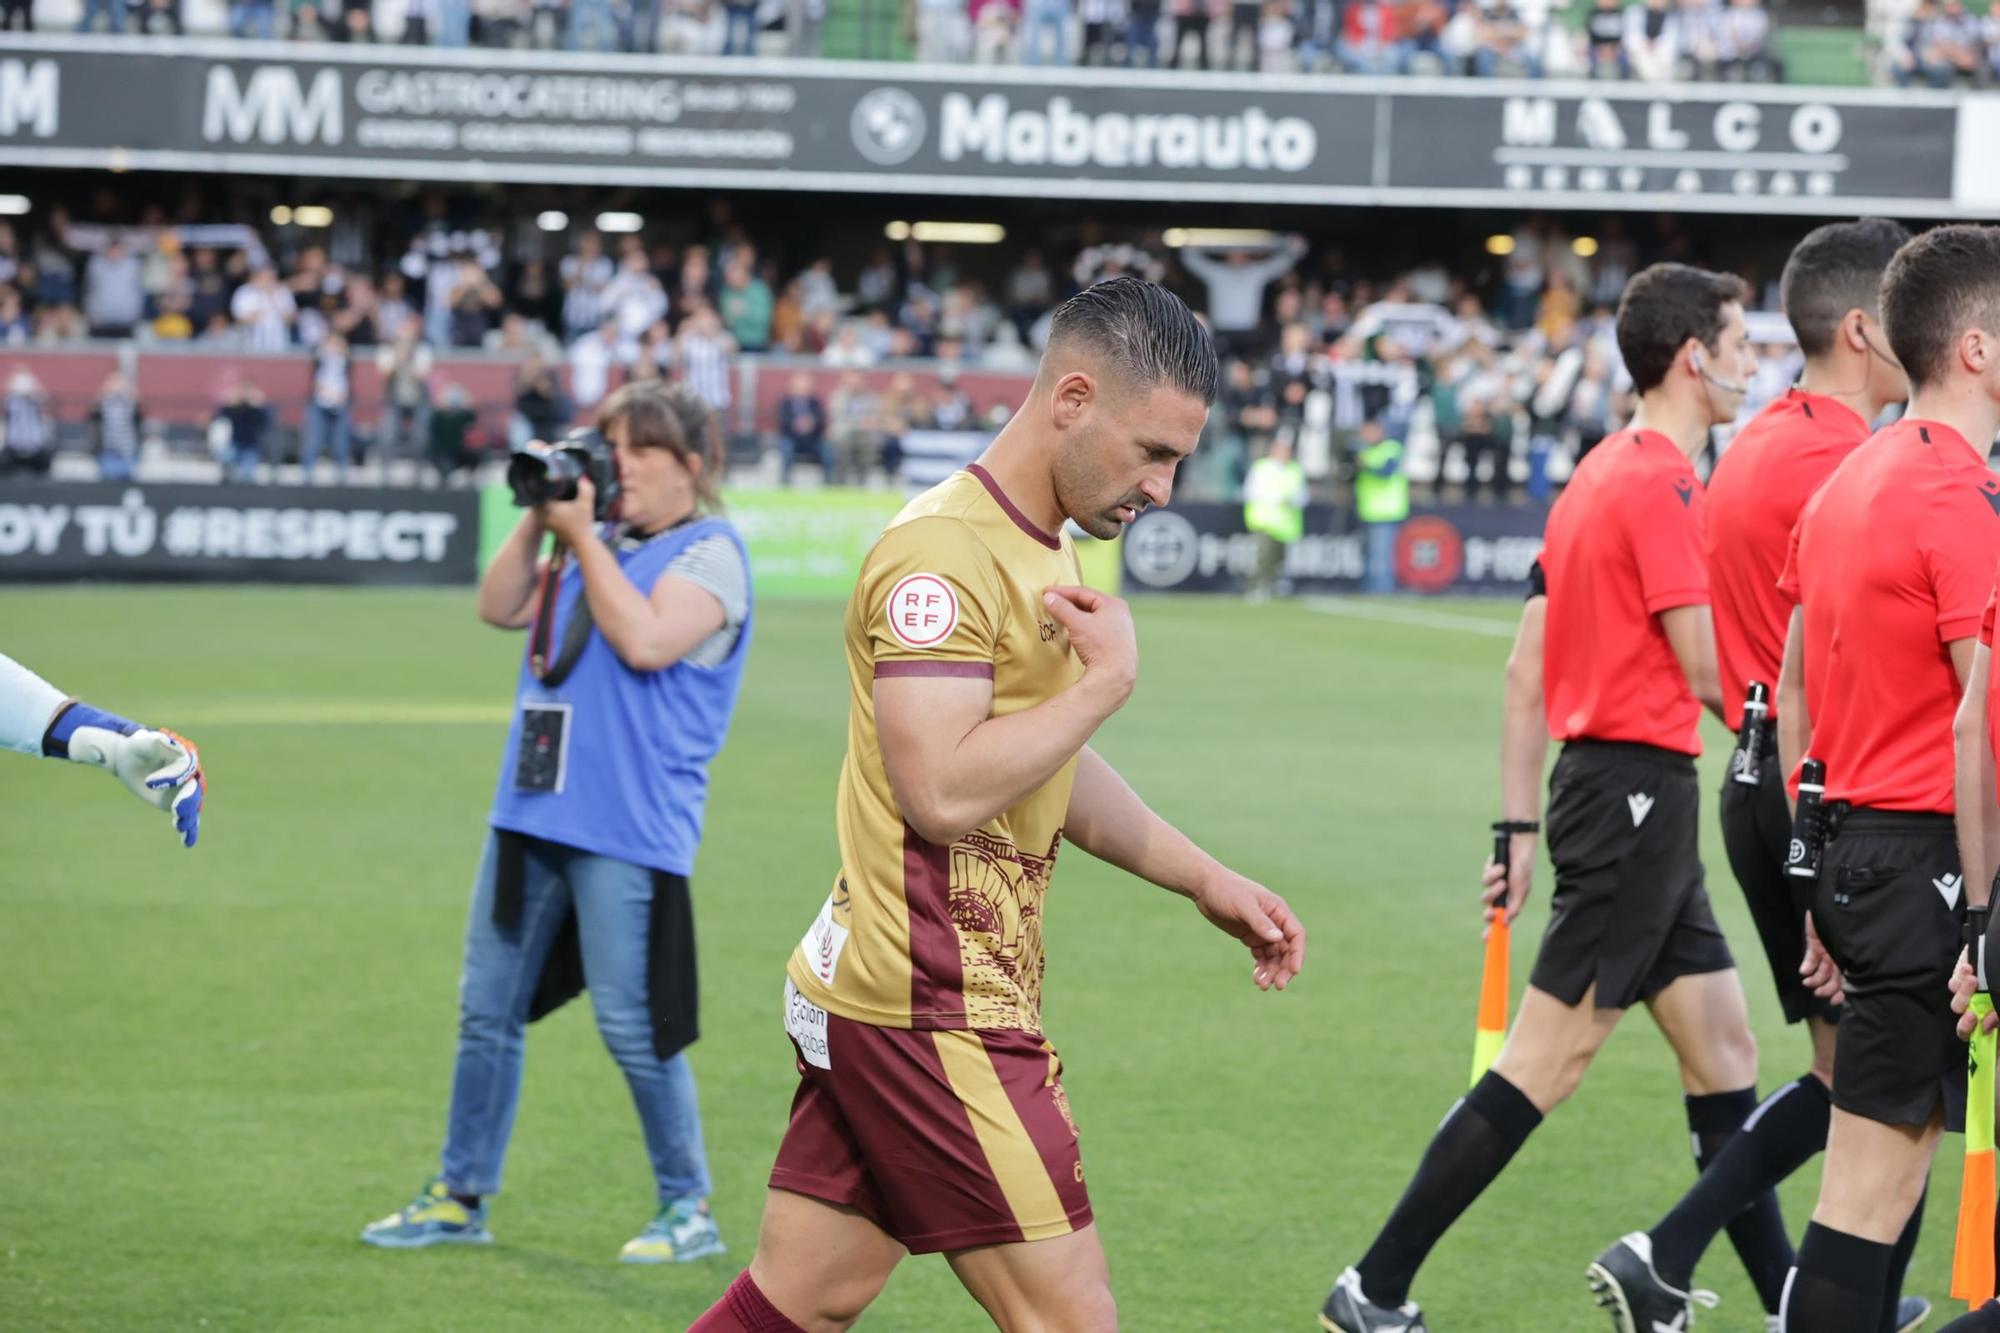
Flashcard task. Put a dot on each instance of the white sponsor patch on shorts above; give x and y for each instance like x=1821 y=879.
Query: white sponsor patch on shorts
x=824 y=941
x=805 y=1023
x=922 y=610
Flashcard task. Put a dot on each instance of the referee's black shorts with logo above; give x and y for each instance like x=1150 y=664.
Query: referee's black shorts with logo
x=1890 y=907
x=1630 y=912
x=1756 y=834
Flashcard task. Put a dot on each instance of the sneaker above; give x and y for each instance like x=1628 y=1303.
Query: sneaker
x=1348 y=1311
x=1625 y=1284
x=1911 y=1314
x=681 y=1232
x=432 y=1218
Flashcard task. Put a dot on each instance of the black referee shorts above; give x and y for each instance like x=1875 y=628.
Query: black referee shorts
x=1890 y=906
x=1630 y=912
x=1756 y=834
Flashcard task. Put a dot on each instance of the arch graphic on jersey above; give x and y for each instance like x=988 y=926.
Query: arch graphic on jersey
x=996 y=906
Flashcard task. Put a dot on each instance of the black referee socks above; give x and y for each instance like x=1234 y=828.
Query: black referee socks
x=1899 y=1262
x=1478 y=1138
x=1734 y=1190
x=1756 y=1227
x=1837 y=1287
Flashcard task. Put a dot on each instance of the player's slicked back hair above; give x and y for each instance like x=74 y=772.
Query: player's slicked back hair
x=1143 y=330
x=1835 y=269
x=1938 y=286
x=1665 y=306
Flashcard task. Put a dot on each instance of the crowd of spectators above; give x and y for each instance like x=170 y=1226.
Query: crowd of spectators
x=1639 y=39
x=1502 y=375
x=1943 y=44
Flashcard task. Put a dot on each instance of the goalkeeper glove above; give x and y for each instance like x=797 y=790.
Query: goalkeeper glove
x=159 y=767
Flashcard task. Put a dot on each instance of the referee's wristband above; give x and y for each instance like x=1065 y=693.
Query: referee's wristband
x=1975 y=943
x=1513 y=826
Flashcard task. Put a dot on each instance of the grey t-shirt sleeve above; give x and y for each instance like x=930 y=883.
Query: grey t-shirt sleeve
x=716 y=565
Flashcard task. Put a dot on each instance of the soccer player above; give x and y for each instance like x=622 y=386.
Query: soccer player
x=930 y=1114
x=1615 y=657
x=1891 y=564
x=1830 y=291
x=160 y=768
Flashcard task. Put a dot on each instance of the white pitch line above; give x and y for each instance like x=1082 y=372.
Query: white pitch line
x=1396 y=614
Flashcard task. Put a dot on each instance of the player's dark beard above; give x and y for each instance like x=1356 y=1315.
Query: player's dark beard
x=1077 y=483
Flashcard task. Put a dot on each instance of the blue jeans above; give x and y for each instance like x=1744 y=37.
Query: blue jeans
x=116 y=467
x=739 y=31
x=241 y=463
x=452 y=28
x=327 y=427
x=256 y=19
x=819 y=450
x=1381 y=576
x=1142 y=35
x=1045 y=24
x=613 y=900
x=112 y=10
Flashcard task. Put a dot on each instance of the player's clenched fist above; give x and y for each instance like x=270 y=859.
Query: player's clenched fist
x=1101 y=632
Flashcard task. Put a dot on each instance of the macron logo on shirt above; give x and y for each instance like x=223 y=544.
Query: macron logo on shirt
x=1990 y=489
x=1642 y=805
x=1685 y=489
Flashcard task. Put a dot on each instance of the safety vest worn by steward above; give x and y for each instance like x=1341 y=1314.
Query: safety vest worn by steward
x=1274 y=499
x=1380 y=498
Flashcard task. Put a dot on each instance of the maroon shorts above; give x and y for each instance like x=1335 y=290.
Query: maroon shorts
x=944 y=1139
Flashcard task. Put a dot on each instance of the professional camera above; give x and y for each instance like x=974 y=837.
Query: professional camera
x=539 y=472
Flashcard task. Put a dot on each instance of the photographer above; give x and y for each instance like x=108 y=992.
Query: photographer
x=638 y=634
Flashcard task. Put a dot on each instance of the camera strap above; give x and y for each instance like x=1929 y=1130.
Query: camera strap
x=575 y=635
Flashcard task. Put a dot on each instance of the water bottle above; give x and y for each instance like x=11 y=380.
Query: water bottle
x=1744 y=764
x=1809 y=825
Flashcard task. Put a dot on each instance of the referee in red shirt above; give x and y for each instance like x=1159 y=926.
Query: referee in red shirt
x=1831 y=293
x=1616 y=658
x=1892 y=562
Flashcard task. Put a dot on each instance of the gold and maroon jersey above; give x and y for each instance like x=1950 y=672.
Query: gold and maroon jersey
x=916 y=935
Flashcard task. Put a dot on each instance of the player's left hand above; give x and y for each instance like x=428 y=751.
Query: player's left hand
x=159 y=767
x=1821 y=973
x=1252 y=913
x=572 y=520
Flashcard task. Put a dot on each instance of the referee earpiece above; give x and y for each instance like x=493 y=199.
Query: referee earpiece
x=1701 y=369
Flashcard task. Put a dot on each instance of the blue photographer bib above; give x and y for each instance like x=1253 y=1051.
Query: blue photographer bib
x=615 y=761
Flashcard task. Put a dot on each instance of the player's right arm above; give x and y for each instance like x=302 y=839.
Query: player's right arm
x=1524 y=748
x=932 y=607
x=510 y=591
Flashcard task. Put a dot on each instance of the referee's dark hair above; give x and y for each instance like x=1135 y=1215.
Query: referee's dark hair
x=1835 y=269
x=1939 y=285
x=1144 y=330
x=1665 y=306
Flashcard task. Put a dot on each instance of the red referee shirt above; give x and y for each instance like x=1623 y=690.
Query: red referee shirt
x=1893 y=559
x=1754 y=497
x=1623 y=544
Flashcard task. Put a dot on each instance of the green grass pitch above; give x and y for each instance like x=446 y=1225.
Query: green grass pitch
x=216 y=1066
